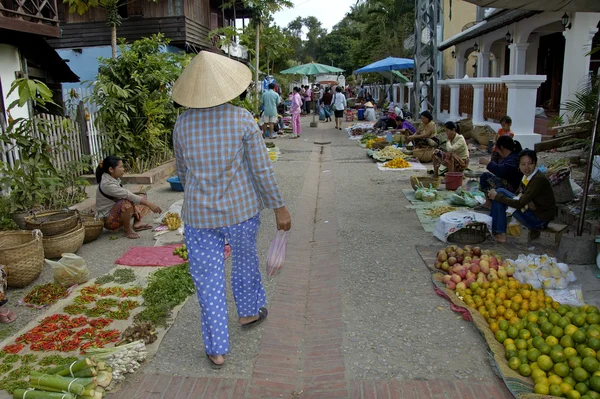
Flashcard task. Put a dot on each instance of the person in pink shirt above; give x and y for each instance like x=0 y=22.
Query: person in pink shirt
x=295 y=110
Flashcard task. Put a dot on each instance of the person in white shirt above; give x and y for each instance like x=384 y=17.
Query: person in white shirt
x=339 y=106
x=369 y=112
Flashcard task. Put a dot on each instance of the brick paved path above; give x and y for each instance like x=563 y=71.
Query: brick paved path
x=301 y=349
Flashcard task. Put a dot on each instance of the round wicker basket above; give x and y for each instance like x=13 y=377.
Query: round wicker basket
x=471 y=234
x=22 y=253
x=69 y=242
x=52 y=223
x=93 y=227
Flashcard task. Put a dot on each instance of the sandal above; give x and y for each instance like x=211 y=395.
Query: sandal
x=262 y=316
x=8 y=317
x=215 y=366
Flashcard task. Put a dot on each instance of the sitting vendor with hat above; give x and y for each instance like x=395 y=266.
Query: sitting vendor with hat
x=369 y=112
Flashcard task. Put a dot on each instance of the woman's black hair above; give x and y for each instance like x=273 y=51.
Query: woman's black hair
x=109 y=162
x=244 y=95
x=338 y=89
x=450 y=125
x=327 y=90
x=528 y=153
x=400 y=119
x=508 y=143
x=427 y=115
x=297 y=89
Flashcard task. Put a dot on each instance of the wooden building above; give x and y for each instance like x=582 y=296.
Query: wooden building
x=25 y=26
x=185 y=22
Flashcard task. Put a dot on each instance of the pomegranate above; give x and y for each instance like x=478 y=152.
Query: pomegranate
x=476 y=251
x=462 y=272
x=438 y=265
x=456 y=278
x=451 y=285
x=475 y=268
x=459 y=259
x=452 y=261
x=469 y=282
x=446 y=278
x=471 y=276
x=442 y=256
x=485 y=268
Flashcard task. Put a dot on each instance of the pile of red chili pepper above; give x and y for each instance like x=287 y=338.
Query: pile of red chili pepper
x=65 y=334
x=45 y=294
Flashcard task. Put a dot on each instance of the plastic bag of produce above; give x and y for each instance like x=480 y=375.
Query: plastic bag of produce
x=69 y=270
x=276 y=254
x=419 y=193
x=571 y=276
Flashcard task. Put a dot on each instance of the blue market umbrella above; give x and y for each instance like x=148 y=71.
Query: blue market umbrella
x=387 y=64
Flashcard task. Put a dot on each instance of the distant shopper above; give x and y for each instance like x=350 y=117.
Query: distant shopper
x=296 y=110
x=339 y=106
x=308 y=99
x=270 y=100
x=118 y=205
x=369 y=112
x=327 y=99
x=361 y=94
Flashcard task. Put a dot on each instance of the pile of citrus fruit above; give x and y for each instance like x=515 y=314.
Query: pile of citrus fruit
x=558 y=346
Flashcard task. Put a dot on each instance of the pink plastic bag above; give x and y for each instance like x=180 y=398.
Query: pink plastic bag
x=276 y=255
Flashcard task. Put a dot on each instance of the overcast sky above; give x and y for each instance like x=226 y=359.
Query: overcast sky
x=329 y=12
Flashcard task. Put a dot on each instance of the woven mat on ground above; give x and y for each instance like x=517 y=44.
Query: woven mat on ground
x=150 y=256
x=413 y=166
x=521 y=387
x=421 y=208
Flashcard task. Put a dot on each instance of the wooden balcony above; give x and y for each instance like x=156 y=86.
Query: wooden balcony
x=39 y=17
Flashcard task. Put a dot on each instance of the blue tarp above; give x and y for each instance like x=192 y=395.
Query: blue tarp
x=387 y=64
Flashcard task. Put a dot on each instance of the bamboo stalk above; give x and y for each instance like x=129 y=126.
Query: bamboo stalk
x=58 y=383
x=76 y=367
x=35 y=394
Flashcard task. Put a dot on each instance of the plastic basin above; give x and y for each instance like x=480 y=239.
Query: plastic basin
x=175 y=183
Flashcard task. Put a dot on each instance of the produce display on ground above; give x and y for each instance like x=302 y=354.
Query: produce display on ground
x=398 y=163
x=45 y=295
x=172 y=220
x=106 y=322
x=540 y=346
x=439 y=211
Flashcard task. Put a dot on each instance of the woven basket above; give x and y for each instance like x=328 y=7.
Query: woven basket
x=53 y=223
x=22 y=253
x=424 y=154
x=93 y=228
x=69 y=242
x=425 y=181
x=473 y=233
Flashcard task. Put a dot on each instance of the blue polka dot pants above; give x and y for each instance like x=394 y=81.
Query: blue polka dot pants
x=206 y=258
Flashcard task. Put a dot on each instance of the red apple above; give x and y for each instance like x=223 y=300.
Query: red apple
x=471 y=275
x=469 y=282
x=451 y=285
x=485 y=268
x=459 y=259
x=462 y=272
x=475 y=268
x=456 y=278
x=446 y=278
x=452 y=261
x=476 y=251
x=455 y=269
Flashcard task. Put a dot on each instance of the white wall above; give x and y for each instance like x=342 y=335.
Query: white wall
x=9 y=64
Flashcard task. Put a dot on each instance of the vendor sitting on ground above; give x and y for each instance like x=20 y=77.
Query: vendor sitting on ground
x=403 y=126
x=456 y=157
x=426 y=132
x=116 y=204
x=6 y=316
x=534 y=203
x=505 y=130
x=505 y=173
x=369 y=112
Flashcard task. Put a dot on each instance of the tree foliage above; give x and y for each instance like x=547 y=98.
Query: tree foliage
x=133 y=94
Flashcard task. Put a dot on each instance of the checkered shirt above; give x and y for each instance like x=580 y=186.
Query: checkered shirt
x=224 y=166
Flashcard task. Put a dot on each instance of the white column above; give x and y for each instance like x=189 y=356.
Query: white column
x=395 y=92
x=438 y=98
x=483 y=65
x=578 y=42
x=402 y=99
x=454 y=98
x=459 y=67
x=424 y=95
x=518 y=58
x=477 y=102
x=522 y=94
x=410 y=99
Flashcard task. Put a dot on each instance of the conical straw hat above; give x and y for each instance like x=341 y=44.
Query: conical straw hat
x=369 y=104
x=211 y=80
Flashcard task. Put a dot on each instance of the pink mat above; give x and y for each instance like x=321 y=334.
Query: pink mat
x=156 y=256
x=150 y=256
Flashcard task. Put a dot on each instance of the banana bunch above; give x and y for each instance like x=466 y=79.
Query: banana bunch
x=181 y=252
x=172 y=220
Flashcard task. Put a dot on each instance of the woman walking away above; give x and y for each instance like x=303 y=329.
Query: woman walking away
x=456 y=157
x=225 y=192
x=534 y=203
x=295 y=110
x=116 y=204
x=339 y=106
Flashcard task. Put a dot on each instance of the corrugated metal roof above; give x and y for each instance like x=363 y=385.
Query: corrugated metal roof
x=496 y=22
